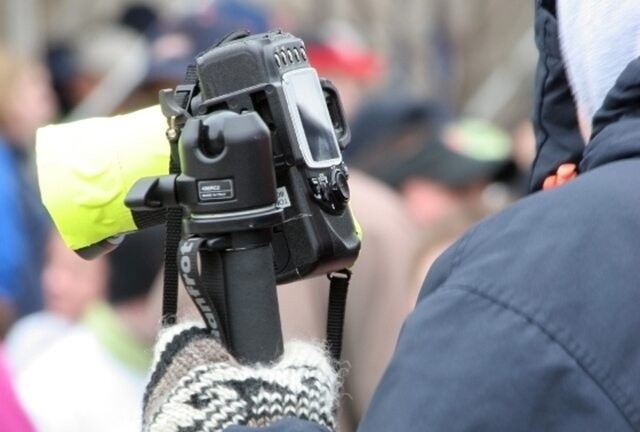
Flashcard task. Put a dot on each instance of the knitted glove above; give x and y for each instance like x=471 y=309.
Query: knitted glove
x=196 y=385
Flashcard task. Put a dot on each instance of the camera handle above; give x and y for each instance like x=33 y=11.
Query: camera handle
x=235 y=292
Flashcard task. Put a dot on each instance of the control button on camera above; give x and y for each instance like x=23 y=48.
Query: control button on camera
x=316 y=189
x=340 y=187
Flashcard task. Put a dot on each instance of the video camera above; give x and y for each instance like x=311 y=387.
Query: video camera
x=257 y=137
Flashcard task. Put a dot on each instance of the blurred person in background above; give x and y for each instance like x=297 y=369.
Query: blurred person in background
x=27 y=103
x=440 y=170
x=140 y=17
x=118 y=66
x=108 y=60
x=164 y=47
x=438 y=237
x=70 y=286
x=383 y=117
x=177 y=41
x=92 y=378
x=78 y=64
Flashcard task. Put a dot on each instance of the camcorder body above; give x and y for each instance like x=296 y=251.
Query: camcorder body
x=249 y=95
x=261 y=183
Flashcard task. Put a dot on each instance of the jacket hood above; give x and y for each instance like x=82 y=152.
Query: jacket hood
x=598 y=38
x=616 y=126
x=558 y=138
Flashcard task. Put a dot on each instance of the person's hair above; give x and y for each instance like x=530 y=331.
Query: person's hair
x=135 y=265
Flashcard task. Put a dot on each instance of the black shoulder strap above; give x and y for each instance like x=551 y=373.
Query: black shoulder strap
x=338 y=288
x=174 y=220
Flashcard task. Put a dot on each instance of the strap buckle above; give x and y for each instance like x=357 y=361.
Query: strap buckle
x=340 y=274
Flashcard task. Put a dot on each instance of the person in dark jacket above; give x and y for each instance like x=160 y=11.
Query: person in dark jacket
x=530 y=321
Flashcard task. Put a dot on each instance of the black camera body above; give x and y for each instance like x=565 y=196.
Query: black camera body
x=261 y=147
x=258 y=181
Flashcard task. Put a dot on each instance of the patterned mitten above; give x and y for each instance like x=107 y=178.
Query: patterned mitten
x=196 y=385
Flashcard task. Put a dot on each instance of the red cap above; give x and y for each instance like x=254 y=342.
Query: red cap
x=344 y=58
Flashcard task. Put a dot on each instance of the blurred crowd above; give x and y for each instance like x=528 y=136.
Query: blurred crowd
x=78 y=335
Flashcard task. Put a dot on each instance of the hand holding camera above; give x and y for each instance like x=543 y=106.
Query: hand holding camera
x=197 y=385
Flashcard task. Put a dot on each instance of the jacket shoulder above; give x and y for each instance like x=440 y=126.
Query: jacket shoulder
x=564 y=261
x=467 y=361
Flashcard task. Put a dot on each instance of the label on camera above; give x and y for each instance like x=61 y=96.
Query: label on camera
x=215 y=190
x=283 y=198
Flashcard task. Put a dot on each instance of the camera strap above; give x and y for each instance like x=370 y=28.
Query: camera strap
x=172 y=239
x=205 y=285
x=174 y=218
x=338 y=288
